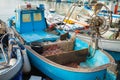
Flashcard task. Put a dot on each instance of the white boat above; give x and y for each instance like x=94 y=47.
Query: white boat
x=10 y=56
x=107 y=44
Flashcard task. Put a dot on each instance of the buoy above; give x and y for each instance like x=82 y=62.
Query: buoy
x=69 y=21
x=116 y=9
x=86 y=27
x=52 y=26
x=12 y=61
x=26 y=64
x=77 y=31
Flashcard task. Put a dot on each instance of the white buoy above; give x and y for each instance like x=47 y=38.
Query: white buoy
x=26 y=65
x=35 y=77
x=12 y=61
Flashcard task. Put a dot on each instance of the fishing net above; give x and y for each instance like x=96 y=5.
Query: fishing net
x=51 y=48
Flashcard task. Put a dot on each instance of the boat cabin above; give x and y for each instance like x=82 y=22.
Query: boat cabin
x=31 y=24
x=29 y=19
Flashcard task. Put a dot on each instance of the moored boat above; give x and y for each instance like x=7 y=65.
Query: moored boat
x=56 y=53
x=104 y=43
x=82 y=24
x=10 y=56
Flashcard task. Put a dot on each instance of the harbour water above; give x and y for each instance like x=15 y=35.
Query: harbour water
x=7 y=7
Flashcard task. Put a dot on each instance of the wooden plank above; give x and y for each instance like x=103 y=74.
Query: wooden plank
x=69 y=57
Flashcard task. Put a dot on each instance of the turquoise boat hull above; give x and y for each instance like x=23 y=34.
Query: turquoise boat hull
x=61 y=73
x=96 y=66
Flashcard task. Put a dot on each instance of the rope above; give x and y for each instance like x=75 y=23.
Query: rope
x=3 y=49
x=91 y=55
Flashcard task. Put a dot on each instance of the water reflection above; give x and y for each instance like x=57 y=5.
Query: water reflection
x=7 y=7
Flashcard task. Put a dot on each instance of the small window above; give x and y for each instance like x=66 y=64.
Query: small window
x=26 y=18
x=37 y=16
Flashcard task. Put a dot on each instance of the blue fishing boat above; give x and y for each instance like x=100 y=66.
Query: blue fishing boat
x=10 y=56
x=56 y=53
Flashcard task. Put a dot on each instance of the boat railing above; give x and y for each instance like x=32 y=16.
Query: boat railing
x=4 y=64
x=17 y=35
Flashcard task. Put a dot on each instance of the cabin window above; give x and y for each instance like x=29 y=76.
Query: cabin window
x=26 y=18
x=37 y=16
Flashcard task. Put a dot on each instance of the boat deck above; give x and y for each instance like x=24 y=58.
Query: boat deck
x=38 y=36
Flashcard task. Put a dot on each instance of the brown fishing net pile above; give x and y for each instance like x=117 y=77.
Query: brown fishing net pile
x=52 y=50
